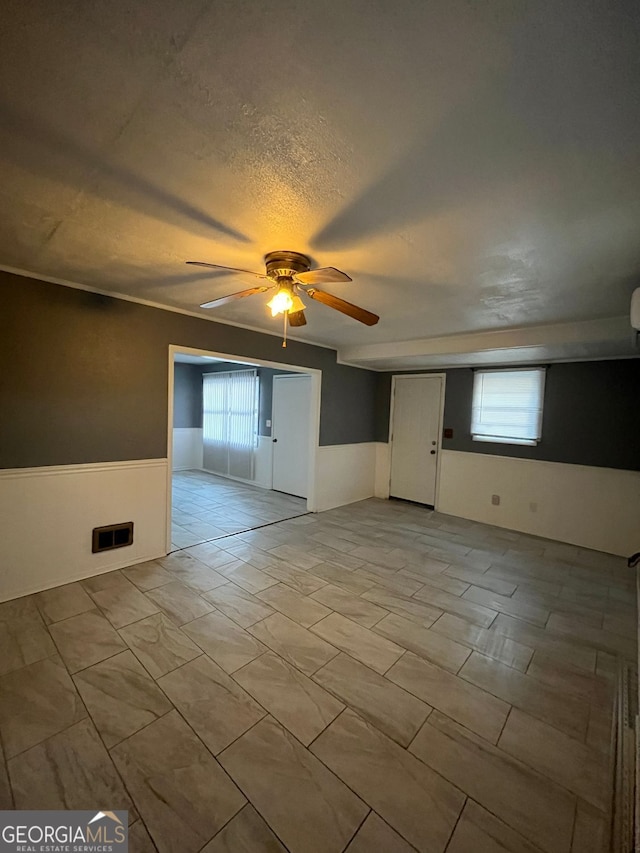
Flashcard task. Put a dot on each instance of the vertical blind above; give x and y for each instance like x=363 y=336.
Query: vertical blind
x=230 y=422
x=507 y=406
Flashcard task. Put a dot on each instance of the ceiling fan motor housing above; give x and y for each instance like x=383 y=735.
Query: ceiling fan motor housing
x=286 y=264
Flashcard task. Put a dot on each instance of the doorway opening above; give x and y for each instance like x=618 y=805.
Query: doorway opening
x=242 y=445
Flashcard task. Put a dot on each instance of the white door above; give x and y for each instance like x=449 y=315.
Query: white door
x=290 y=432
x=415 y=437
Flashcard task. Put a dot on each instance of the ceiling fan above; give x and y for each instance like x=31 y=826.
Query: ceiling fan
x=290 y=274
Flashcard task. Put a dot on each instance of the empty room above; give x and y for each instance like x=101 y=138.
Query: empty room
x=319 y=426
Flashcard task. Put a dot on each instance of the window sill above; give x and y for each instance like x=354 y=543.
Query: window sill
x=529 y=442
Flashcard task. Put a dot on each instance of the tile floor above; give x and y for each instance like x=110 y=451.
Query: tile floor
x=375 y=678
x=205 y=506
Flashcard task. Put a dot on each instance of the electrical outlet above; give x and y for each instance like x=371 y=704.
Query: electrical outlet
x=533 y=506
x=495 y=500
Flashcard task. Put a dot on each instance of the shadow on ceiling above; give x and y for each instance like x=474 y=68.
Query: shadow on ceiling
x=47 y=151
x=481 y=146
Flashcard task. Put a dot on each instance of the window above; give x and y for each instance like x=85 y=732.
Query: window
x=230 y=422
x=507 y=406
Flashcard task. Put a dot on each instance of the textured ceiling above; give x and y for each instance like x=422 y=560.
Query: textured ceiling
x=473 y=166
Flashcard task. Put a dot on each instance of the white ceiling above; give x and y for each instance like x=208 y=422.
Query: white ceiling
x=474 y=167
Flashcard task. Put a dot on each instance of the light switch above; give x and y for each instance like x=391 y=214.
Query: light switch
x=267 y=423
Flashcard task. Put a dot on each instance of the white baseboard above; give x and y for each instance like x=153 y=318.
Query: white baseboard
x=345 y=474
x=187 y=449
x=592 y=507
x=47 y=515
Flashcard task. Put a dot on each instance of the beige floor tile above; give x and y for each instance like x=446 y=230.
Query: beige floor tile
x=504 y=604
x=393 y=581
x=479 y=578
x=182 y=794
x=568 y=762
x=85 y=639
x=543 y=640
x=562 y=676
x=552 y=706
x=37 y=702
x=229 y=645
x=120 y=696
x=372 y=650
x=148 y=576
x=123 y=604
x=308 y=807
x=534 y=806
x=62 y=602
x=478 y=831
x=6 y=797
x=139 y=839
x=388 y=707
x=251 y=579
x=71 y=770
x=238 y=604
x=159 y=645
x=303 y=582
x=23 y=637
x=198 y=576
x=97 y=583
x=338 y=575
x=439 y=581
x=298 y=557
x=352 y=606
x=293 y=643
x=593 y=637
x=423 y=642
x=245 y=833
x=180 y=603
x=303 y=707
x=412 y=799
x=490 y=643
x=469 y=705
x=376 y=835
x=460 y=606
x=215 y=707
x=420 y=612
x=300 y=608
x=591 y=830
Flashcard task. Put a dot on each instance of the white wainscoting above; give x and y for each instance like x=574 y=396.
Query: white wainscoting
x=383 y=469
x=47 y=515
x=593 y=507
x=345 y=474
x=264 y=463
x=187 y=449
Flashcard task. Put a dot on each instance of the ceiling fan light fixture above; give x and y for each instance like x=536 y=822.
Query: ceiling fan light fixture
x=282 y=302
x=296 y=304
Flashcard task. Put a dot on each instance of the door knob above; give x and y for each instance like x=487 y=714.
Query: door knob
x=433 y=453
x=275 y=440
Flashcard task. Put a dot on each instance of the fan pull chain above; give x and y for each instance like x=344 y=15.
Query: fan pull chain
x=285 y=315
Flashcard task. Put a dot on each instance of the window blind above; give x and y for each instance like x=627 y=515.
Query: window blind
x=507 y=406
x=230 y=422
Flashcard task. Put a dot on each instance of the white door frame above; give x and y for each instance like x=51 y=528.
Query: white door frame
x=314 y=416
x=399 y=378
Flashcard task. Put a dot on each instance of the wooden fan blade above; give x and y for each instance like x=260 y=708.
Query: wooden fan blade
x=348 y=308
x=297 y=318
x=322 y=276
x=215 y=303
x=227 y=269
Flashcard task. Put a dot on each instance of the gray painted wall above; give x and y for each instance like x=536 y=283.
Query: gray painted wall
x=187 y=395
x=85 y=376
x=591 y=415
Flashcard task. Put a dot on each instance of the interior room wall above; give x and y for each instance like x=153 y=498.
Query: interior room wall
x=580 y=484
x=83 y=442
x=187 y=417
